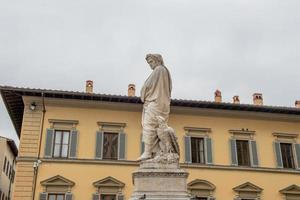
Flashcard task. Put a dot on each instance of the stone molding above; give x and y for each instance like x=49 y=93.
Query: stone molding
x=199 y=184
x=57 y=184
x=184 y=165
x=248 y=190
x=57 y=180
x=292 y=189
x=109 y=182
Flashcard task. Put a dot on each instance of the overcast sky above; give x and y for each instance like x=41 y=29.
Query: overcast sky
x=237 y=46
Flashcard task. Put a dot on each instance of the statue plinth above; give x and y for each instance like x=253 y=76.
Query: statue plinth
x=157 y=181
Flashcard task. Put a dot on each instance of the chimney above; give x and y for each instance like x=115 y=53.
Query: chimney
x=218 y=96
x=236 y=100
x=258 y=99
x=89 y=87
x=297 y=104
x=131 y=90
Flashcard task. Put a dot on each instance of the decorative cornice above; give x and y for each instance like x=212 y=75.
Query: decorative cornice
x=63 y=121
x=64 y=181
x=242 y=132
x=199 y=184
x=248 y=187
x=197 y=129
x=292 y=189
x=109 y=182
x=285 y=135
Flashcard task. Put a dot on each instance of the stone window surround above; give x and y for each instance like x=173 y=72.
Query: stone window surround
x=247 y=191
x=290 y=138
x=111 y=126
x=291 y=192
x=62 y=124
x=197 y=132
x=109 y=186
x=203 y=188
x=200 y=132
x=57 y=184
x=242 y=134
x=246 y=135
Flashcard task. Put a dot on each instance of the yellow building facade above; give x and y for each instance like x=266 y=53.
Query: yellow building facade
x=77 y=146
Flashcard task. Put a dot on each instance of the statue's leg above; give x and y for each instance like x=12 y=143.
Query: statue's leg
x=149 y=132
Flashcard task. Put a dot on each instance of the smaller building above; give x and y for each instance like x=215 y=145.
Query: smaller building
x=8 y=154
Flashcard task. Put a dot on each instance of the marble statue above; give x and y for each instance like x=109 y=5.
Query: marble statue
x=159 y=139
x=159 y=176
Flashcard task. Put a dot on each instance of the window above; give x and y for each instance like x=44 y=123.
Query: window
x=243 y=153
x=107 y=197
x=110 y=146
x=13 y=176
x=7 y=168
x=57 y=188
x=4 y=165
x=61 y=144
x=10 y=170
x=56 y=197
x=198 y=152
x=287 y=155
x=109 y=188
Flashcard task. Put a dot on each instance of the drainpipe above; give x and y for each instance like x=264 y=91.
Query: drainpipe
x=37 y=162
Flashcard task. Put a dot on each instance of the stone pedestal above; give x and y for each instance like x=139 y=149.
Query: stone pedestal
x=154 y=181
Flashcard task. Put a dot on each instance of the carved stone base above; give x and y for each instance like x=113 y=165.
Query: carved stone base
x=163 y=183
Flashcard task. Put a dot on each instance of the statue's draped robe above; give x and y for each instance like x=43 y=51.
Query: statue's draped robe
x=156 y=95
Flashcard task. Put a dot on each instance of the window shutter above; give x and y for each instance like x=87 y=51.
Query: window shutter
x=187 y=149
x=254 y=156
x=69 y=196
x=208 y=146
x=73 y=143
x=120 y=197
x=95 y=196
x=99 y=144
x=278 y=154
x=43 y=196
x=49 y=143
x=234 y=160
x=122 y=146
x=142 y=145
x=297 y=148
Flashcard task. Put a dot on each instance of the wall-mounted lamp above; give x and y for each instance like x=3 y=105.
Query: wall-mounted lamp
x=32 y=106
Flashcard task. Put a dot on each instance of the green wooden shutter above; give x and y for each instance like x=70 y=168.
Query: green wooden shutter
x=99 y=145
x=69 y=196
x=278 y=154
x=234 y=160
x=95 y=196
x=122 y=146
x=254 y=156
x=297 y=148
x=73 y=143
x=208 y=148
x=187 y=149
x=49 y=143
x=43 y=196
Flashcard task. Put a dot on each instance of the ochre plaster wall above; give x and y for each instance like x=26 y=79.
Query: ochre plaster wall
x=86 y=172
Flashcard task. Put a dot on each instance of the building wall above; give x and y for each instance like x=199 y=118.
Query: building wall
x=85 y=169
x=5 y=152
x=28 y=151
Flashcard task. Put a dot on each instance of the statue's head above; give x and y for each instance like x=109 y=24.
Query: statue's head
x=154 y=60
